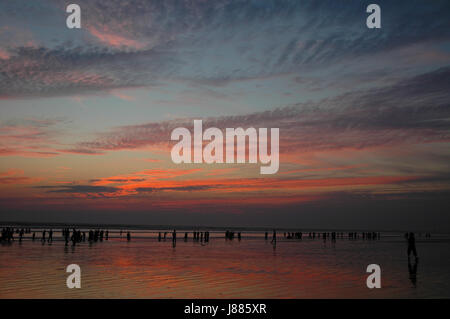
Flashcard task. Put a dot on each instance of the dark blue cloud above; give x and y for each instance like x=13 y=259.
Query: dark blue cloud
x=178 y=188
x=79 y=189
x=209 y=42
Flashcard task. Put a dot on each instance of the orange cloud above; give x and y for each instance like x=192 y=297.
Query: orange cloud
x=15 y=177
x=162 y=180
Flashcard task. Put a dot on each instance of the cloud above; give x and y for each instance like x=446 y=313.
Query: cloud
x=114 y=40
x=140 y=43
x=81 y=151
x=16 y=177
x=38 y=71
x=415 y=110
x=118 y=180
x=178 y=188
x=135 y=179
x=31 y=137
x=79 y=189
x=237 y=187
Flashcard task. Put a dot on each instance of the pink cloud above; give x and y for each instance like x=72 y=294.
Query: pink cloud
x=122 y=96
x=4 y=55
x=113 y=39
x=29 y=138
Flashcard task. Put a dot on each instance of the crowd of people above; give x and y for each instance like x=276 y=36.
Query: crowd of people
x=7 y=233
x=229 y=235
x=197 y=236
x=332 y=235
x=77 y=236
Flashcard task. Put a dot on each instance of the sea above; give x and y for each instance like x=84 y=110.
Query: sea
x=252 y=267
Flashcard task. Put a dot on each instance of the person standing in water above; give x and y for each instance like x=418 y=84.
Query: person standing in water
x=50 y=235
x=274 y=237
x=412 y=245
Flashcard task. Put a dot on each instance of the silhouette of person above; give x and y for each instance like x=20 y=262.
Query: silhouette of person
x=66 y=236
x=412 y=245
x=274 y=237
x=73 y=238
x=50 y=236
x=412 y=269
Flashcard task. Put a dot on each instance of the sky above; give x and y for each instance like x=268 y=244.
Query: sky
x=364 y=114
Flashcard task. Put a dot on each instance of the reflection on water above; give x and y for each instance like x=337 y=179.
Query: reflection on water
x=250 y=268
x=412 y=269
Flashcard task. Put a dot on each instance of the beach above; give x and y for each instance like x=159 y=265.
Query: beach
x=221 y=268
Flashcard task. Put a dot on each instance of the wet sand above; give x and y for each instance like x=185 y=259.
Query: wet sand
x=250 y=268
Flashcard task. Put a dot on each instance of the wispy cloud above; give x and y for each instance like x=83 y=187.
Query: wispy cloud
x=16 y=177
x=139 y=43
x=30 y=137
x=415 y=110
x=79 y=189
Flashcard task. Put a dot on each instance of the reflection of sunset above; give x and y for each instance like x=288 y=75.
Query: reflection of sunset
x=251 y=268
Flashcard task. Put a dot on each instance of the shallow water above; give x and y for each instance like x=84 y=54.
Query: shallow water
x=250 y=268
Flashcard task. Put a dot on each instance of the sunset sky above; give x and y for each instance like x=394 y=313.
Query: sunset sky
x=364 y=114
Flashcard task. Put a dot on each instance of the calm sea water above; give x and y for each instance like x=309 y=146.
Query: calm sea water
x=250 y=268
